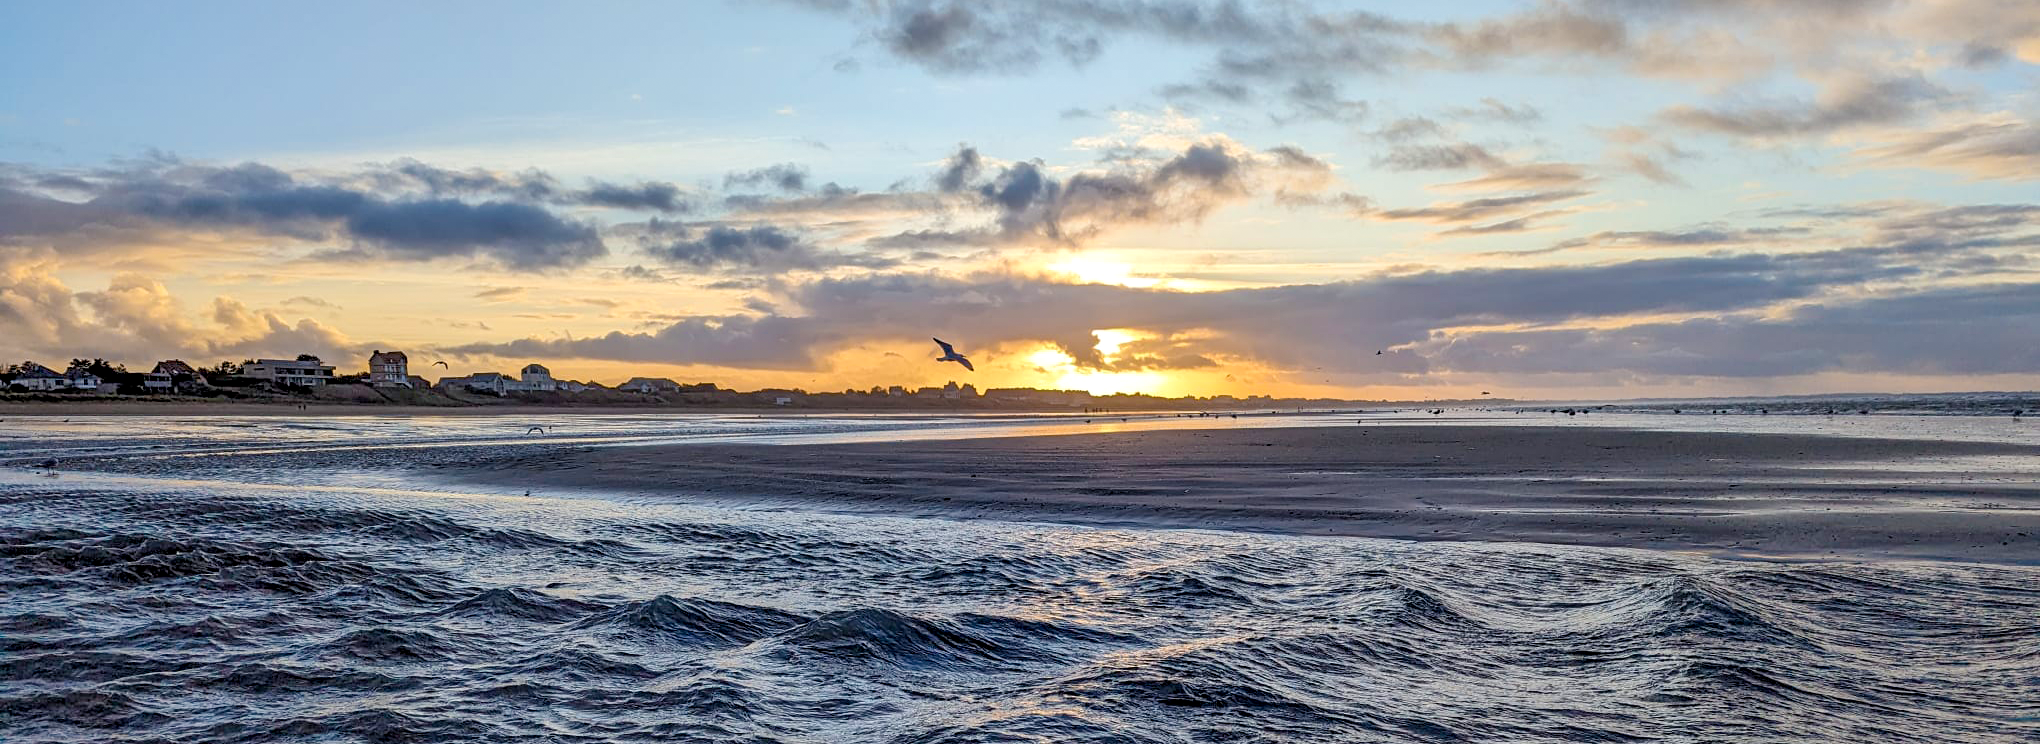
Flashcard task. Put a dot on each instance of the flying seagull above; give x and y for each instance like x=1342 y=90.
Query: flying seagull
x=441 y=363
x=539 y=429
x=949 y=355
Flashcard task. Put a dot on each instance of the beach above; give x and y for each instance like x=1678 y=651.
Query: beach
x=1753 y=495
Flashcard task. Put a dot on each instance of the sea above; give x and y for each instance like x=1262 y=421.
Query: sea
x=163 y=582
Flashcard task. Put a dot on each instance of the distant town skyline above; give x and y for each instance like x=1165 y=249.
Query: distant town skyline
x=1551 y=199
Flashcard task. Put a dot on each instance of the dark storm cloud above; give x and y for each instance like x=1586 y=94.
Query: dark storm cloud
x=1028 y=204
x=520 y=236
x=786 y=177
x=960 y=170
x=644 y=196
x=758 y=247
x=252 y=196
x=406 y=173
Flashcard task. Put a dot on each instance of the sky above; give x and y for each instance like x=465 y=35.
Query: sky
x=1555 y=199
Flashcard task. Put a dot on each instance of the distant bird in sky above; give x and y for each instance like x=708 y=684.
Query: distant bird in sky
x=441 y=363
x=949 y=355
x=539 y=429
x=1377 y=352
x=1484 y=392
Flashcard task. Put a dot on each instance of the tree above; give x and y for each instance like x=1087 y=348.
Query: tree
x=313 y=358
x=221 y=373
x=105 y=370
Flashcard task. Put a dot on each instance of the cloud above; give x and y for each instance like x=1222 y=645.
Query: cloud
x=786 y=177
x=1474 y=210
x=1701 y=237
x=1028 y=205
x=1848 y=104
x=644 y=196
x=1528 y=176
x=1994 y=146
x=408 y=173
x=519 y=236
x=310 y=302
x=262 y=200
x=137 y=321
x=758 y=247
x=1340 y=323
x=1455 y=156
x=1496 y=111
x=1969 y=330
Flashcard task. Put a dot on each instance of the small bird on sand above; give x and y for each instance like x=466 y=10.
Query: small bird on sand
x=949 y=355
x=49 y=463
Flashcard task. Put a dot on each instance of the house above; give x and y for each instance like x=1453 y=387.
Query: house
x=951 y=391
x=782 y=401
x=649 y=385
x=389 y=369
x=572 y=386
x=418 y=383
x=38 y=378
x=489 y=382
x=290 y=372
x=537 y=378
x=896 y=392
x=172 y=376
x=80 y=377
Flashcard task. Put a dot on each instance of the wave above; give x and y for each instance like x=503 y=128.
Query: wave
x=699 y=622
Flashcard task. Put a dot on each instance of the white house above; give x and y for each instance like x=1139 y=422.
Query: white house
x=38 y=378
x=80 y=377
x=537 y=378
x=389 y=369
x=290 y=372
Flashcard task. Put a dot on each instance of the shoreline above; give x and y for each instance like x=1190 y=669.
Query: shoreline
x=1765 y=496
x=186 y=408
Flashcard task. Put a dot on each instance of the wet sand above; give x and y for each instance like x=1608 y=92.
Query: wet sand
x=1775 y=496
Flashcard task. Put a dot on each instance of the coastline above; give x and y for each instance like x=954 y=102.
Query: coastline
x=1741 y=495
x=243 y=408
